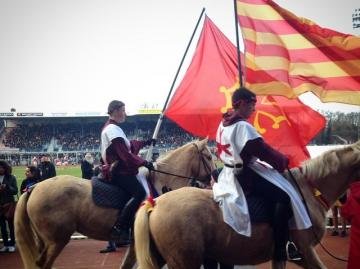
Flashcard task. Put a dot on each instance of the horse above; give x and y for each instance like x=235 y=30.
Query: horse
x=186 y=225
x=46 y=217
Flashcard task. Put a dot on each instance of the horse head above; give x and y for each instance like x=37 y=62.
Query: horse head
x=333 y=171
x=356 y=149
x=205 y=164
x=188 y=165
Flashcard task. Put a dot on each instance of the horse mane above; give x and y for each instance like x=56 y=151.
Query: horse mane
x=168 y=155
x=330 y=161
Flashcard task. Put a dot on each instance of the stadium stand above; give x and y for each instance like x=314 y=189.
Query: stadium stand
x=67 y=139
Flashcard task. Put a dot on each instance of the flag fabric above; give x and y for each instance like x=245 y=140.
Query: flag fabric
x=288 y=125
x=205 y=93
x=287 y=55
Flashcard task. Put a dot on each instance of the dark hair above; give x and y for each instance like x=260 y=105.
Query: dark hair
x=34 y=171
x=113 y=105
x=4 y=164
x=242 y=94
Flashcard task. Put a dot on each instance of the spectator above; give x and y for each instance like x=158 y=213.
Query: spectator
x=32 y=177
x=351 y=211
x=87 y=166
x=8 y=188
x=47 y=168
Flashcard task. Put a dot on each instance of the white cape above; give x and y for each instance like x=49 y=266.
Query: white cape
x=233 y=204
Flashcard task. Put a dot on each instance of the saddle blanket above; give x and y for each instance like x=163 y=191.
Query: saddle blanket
x=107 y=195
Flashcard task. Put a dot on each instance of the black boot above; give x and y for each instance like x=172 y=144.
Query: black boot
x=281 y=231
x=120 y=232
x=121 y=235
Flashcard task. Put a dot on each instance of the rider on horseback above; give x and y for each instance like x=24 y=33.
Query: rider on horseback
x=120 y=155
x=239 y=145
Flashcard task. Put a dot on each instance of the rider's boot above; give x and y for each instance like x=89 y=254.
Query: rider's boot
x=120 y=232
x=281 y=234
x=281 y=231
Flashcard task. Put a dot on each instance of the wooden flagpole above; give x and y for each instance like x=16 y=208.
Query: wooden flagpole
x=161 y=116
x=237 y=43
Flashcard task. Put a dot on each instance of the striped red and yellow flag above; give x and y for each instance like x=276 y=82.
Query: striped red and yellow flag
x=287 y=55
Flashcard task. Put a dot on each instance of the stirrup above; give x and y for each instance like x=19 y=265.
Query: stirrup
x=292 y=252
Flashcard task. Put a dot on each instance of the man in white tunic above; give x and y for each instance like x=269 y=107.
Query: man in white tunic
x=122 y=155
x=239 y=146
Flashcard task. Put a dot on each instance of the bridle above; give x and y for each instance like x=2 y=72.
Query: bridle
x=195 y=181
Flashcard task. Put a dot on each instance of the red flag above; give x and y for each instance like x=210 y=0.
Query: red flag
x=205 y=94
x=206 y=89
x=287 y=55
x=287 y=124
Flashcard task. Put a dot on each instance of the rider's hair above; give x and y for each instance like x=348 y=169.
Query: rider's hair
x=242 y=94
x=113 y=105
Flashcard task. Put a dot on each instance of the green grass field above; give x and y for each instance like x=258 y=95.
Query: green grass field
x=74 y=170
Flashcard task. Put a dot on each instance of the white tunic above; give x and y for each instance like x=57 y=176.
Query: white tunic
x=228 y=192
x=111 y=132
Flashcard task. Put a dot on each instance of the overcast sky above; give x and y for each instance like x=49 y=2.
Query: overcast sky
x=77 y=55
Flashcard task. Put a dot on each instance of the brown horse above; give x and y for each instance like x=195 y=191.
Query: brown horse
x=186 y=225
x=46 y=218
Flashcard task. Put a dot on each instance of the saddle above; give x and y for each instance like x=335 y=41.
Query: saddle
x=105 y=194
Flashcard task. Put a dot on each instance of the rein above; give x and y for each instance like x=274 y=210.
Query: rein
x=321 y=199
x=308 y=212
x=197 y=180
x=194 y=180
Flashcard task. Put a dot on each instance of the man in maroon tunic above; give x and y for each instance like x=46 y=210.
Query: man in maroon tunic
x=122 y=156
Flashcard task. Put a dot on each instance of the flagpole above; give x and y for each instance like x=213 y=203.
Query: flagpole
x=238 y=43
x=161 y=116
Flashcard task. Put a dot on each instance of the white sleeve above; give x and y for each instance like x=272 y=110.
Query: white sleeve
x=244 y=132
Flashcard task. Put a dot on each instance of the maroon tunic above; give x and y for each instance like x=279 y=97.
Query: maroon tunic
x=129 y=162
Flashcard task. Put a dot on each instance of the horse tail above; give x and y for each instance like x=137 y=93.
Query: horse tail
x=144 y=256
x=25 y=237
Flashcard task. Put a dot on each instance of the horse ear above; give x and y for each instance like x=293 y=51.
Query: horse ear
x=203 y=143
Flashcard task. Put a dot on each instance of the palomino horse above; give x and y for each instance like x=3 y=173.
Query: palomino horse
x=46 y=218
x=186 y=225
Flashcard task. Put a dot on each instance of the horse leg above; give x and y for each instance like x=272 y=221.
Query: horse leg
x=42 y=250
x=182 y=266
x=278 y=264
x=188 y=264
x=130 y=258
x=49 y=254
x=310 y=259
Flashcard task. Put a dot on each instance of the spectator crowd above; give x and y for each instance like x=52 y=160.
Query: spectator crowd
x=68 y=137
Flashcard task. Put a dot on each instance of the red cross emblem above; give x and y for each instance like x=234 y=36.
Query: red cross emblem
x=222 y=148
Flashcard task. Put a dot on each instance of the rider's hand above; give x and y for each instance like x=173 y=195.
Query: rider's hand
x=284 y=163
x=149 y=165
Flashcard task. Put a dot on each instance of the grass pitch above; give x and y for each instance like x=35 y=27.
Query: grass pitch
x=73 y=170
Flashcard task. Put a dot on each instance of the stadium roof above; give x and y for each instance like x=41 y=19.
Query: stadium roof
x=143 y=110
